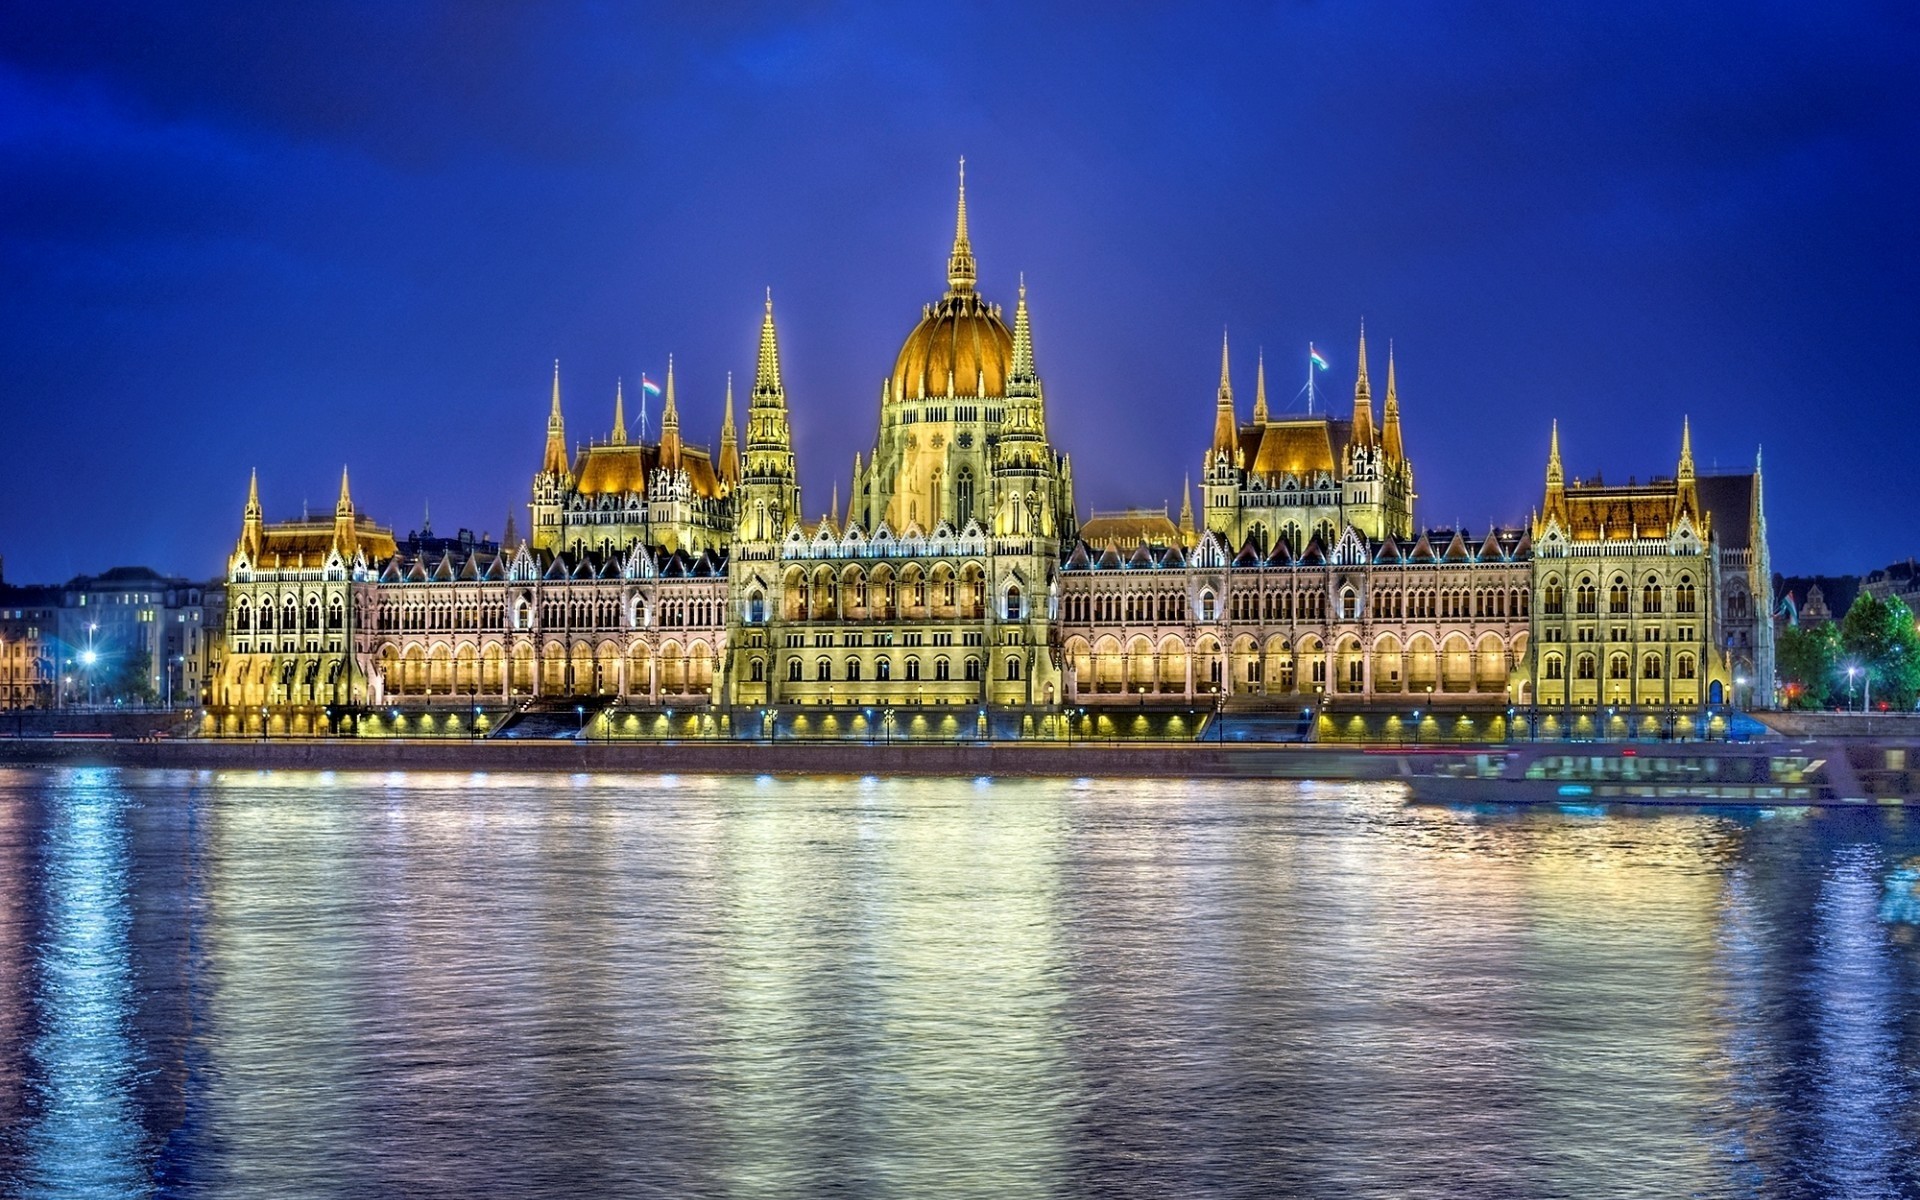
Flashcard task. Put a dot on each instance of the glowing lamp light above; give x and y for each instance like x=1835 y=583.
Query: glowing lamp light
x=88 y=658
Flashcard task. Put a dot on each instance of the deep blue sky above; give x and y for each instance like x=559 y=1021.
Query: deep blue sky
x=292 y=236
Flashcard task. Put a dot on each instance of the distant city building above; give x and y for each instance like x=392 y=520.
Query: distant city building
x=958 y=573
x=148 y=635
x=29 y=646
x=1900 y=579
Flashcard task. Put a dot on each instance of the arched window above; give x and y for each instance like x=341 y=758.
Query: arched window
x=1683 y=595
x=1554 y=598
x=853 y=670
x=973 y=669
x=1554 y=666
x=1206 y=604
x=336 y=615
x=1683 y=667
x=1650 y=595
x=883 y=668
x=1349 y=605
x=1583 y=667
x=963 y=497
x=1584 y=597
x=1617 y=667
x=243 y=616
x=1015 y=603
x=822 y=670
x=913 y=670
x=940 y=670
x=1617 y=595
x=1650 y=667
x=757 y=670
x=1013 y=667
x=793 y=670
x=756 y=608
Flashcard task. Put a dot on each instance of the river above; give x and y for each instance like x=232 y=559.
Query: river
x=241 y=984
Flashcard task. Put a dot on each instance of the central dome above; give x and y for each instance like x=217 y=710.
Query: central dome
x=960 y=347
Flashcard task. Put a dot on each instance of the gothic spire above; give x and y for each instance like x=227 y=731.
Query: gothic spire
x=555 y=461
x=1390 y=421
x=1556 y=477
x=1223 y=416
x=670 y=425
x=1186 y=511
x=343 y=535
x=1686 y=450
x=253 y=495
x=619 y=413
x=960 y=266
x=1260 y=388
x=1022 y=337
x=729 y=441
x=1362 y=398
x=766 y=380
x=345 y=503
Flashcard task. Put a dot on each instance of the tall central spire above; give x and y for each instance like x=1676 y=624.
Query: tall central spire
x=960 y=268
x=670 y=425
x=619 y=413
x=1362 y=398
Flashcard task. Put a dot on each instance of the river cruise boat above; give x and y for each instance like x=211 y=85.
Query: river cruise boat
x=1696 y=773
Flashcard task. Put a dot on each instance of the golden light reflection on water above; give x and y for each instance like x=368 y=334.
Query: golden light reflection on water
x=505 y=984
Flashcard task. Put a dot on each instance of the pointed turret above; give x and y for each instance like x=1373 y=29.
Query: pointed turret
x=1224 y=421
x=252 y=522
x=960 y=266
x=555 y=460
x=766 y=379
x=1390 y=421
x=1688 y=494
x=670 y=425
x=510 y=540
x=1362 y=399
x=343 y=533
x=619 y=413
x=729 y=465
x=853 y=494
x=1024 y=377
x=1188 y=536
x=1556 y=477
x=1260 y=388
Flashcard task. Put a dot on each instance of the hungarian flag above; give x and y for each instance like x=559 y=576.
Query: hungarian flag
x=1315 y=357
x=649 y=386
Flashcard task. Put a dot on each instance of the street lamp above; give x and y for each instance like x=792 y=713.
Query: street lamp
x=87 y=658
x=1852 y=671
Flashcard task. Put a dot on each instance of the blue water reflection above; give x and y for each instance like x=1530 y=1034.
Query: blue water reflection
x=83 y=1136
x=262 y=985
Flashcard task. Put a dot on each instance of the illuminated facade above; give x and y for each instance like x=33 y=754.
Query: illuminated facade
x=659 y=575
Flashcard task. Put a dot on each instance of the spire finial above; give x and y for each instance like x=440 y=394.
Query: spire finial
x=619 y=413
x=554 y=414
x=346 y=498
x=1260 y=388
x=1686 y=447
x=253 y=491
x=1024 y=375
x=729 y=465
x=1362 y=397
x=1556 y=476
x=960 y=266
x=1226 y=376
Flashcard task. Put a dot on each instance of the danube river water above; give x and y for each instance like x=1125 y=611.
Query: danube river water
x=425 y=985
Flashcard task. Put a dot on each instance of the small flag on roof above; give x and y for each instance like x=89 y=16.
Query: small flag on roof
x=649 y=386
x=1315 y=357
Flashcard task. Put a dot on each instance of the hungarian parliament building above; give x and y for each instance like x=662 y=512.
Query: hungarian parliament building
x=661 y=575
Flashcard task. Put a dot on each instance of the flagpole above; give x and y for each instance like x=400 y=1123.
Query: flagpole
x=1309 y=378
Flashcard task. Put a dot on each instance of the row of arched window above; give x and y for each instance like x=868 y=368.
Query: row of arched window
x=293 y=615
x=1619 y=599
x=852 y=670
x=1652 y=666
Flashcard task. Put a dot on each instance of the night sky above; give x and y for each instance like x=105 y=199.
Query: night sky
x=296 y=236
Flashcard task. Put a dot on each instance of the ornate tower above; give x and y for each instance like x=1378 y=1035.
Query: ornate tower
x=554 y=477
x=769 y=488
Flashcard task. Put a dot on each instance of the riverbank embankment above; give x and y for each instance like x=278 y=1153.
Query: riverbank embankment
x=1120 y=759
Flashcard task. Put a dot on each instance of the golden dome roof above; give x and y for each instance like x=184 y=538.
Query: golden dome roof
x=961 y=346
